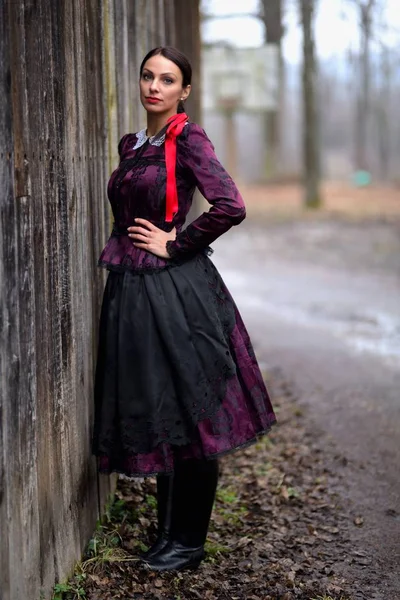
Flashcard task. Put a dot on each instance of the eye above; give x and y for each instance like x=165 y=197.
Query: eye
x=168 y=80
x=146 y=76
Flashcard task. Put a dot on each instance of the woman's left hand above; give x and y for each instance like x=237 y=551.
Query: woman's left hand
x=147 y=236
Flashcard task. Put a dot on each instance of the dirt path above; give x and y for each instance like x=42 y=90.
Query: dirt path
x=312 y=511
x=322 y=301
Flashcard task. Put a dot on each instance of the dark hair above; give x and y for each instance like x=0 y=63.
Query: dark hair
x=176 y=57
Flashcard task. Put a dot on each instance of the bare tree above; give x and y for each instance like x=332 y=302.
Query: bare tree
x=363 y=102
x=311 y=144
x=272 y=15
x=382 y=117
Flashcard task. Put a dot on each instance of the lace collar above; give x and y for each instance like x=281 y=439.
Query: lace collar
x=153 y=140
x=142 y=138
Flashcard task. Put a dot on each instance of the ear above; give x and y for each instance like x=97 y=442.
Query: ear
x=186 y=92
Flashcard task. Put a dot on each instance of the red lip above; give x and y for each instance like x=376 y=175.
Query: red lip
x=152 y=100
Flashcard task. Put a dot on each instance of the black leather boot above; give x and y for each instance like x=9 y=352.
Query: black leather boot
x=194 y=487
x=164 y=508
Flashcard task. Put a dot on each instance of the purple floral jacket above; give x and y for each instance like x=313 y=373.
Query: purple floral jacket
x=137 y=189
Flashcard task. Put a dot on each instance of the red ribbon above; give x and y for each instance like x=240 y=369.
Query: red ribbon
x=176 y=124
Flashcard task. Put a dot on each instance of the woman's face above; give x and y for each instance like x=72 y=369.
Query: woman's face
x=161 y=86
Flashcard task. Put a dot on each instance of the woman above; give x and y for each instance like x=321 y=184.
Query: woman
x=177 y=383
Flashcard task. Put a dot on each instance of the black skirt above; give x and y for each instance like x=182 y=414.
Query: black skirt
x=175 y=370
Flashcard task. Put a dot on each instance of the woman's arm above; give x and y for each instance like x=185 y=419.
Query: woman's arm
x=196 y=155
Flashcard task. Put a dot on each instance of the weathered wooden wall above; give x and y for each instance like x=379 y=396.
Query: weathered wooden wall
x=68 y=89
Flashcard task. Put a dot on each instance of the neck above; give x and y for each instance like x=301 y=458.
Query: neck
x=156 y=122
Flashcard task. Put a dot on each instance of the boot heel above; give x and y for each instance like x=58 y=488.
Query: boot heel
x=193 y=567
x=158 y=545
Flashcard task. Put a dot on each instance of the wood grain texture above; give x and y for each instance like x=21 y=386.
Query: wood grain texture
x=68 y=84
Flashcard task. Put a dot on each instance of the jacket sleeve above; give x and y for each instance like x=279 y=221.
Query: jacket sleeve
x=122 y=144
x=196 y=155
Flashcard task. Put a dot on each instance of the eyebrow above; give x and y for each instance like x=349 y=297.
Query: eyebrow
x=150 y=71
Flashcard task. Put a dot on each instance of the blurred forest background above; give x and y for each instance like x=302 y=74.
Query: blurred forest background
x=338 y=88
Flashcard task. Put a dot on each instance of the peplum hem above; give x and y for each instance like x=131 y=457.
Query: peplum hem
x=121 y=255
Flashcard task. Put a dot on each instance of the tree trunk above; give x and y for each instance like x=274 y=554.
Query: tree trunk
x=311 y=146
x=364 y=89
x=272 y=17
x=383 y=103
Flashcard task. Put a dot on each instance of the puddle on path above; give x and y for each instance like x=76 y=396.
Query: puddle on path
x=358 y=311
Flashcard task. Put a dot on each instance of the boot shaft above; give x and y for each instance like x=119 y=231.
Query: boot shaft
x=194 y=489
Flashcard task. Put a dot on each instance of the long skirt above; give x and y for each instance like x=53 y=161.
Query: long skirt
x=176 y=373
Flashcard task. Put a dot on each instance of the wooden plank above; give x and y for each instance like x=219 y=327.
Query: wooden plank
x=169 y=23
x=187 y=28
x=134 y=64
x=122 y=66
x=110 y=80
x=21 y=397
x=80 y=96
x=7 y=290
x=160 y=28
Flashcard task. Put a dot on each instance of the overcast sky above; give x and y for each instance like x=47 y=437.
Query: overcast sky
x=336 y=26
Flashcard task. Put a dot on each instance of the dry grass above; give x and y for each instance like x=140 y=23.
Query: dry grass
x=339 y=200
